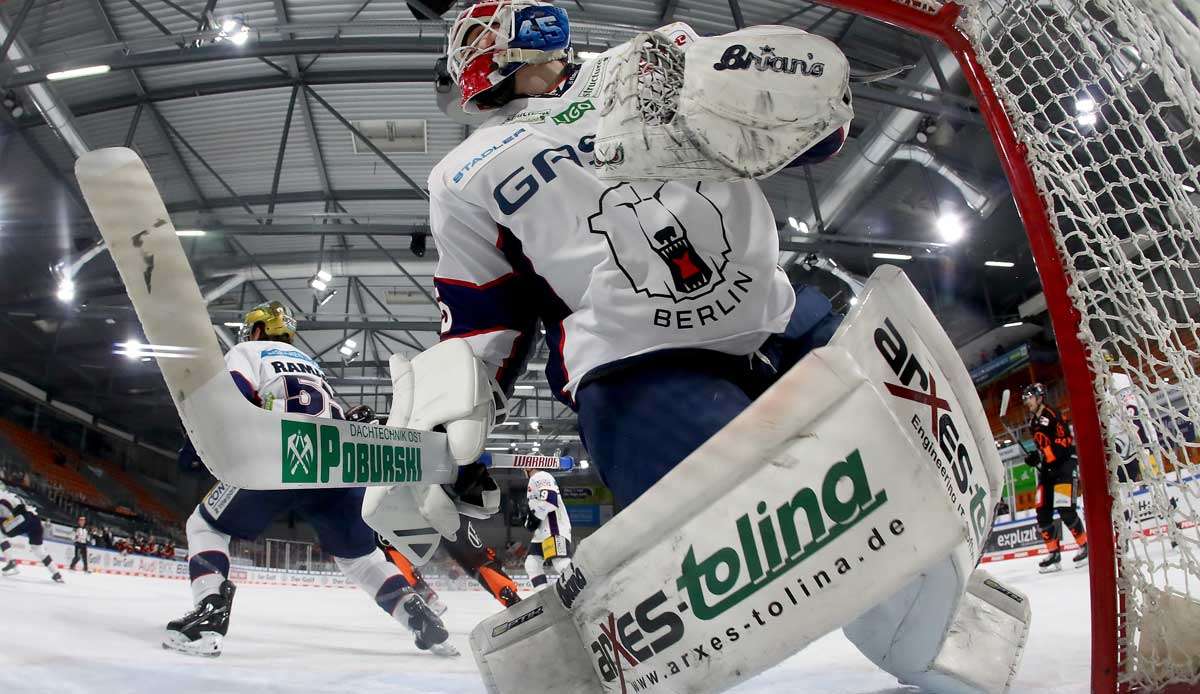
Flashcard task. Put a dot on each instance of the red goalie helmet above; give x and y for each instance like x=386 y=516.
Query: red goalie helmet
x=491 y=40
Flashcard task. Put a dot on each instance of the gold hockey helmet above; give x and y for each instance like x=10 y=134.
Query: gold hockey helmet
x=277 y=320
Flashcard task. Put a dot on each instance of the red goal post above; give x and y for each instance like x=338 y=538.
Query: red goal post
x=1019 y=58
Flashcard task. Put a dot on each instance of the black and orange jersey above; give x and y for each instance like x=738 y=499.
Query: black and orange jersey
x=1051 y=435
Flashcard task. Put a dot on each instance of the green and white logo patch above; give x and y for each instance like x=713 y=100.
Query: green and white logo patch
x=574 y=112
x=299 y=451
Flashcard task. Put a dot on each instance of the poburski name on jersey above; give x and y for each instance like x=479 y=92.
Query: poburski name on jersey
x=639 y=266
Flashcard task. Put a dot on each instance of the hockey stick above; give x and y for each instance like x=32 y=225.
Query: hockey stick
x=527 y=462
x=241 y=444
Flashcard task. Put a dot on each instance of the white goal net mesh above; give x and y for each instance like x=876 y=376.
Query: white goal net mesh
x=1105 y=96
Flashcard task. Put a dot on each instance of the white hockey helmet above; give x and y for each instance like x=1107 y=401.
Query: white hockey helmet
x=542 y=480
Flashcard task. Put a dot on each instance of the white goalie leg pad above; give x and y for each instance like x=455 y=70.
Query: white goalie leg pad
x=929 y=389
x=765 y=537
x=533 y=647
x=977 y=648
x=785 y=525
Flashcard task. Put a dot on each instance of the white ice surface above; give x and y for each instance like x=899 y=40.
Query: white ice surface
x=100 y=633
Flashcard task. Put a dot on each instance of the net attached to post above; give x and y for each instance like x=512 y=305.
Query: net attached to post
x=1095 y=107
x=1105 y=96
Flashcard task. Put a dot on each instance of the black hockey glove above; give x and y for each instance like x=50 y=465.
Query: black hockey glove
x=531 y=521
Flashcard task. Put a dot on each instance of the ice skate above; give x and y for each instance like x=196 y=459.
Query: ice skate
x=426 y=625
x=1051 y=563
x=10 y=569
x=1081 y=557
x=201 y=631
x=509 y=597
x=57 y=577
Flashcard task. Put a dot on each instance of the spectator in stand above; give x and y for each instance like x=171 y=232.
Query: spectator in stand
x=82 y=537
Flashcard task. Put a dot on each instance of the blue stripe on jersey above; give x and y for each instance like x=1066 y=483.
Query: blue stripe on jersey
x=550 y=308
x=552 y=518
x=248 y=391
x=551 y=497
x=502 y=304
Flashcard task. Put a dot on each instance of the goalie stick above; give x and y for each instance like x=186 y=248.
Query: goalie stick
x=241 y=444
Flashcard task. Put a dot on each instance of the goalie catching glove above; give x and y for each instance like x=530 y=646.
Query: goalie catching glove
x=742 y=105
x=443 y=388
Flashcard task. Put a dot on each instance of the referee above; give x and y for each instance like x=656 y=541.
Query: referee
x=82 y=537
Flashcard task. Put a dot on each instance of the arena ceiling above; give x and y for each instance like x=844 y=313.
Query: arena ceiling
x=257 y=144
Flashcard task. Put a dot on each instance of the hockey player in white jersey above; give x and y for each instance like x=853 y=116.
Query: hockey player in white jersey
x=681 y=345
x=19 y=518
x=547 y=518
x=275 y=375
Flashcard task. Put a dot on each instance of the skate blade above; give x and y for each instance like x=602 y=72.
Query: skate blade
x=445 y=650
x=207 y=646
x=1050 y=569
x=1081 y=563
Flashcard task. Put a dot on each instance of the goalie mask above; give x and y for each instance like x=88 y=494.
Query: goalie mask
x=490 y=41
x=277 y=321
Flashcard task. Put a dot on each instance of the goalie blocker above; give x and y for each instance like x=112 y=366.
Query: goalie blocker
x=855 y=492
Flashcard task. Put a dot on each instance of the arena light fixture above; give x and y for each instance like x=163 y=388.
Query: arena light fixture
x=999 y=263
x=73 y=73
x=950 y=227
x=523 y=387
x=320 y=281
x=66 y=290
x=234 y=30
x=891 y=256
x=349 y=348
x=535 y=425
x=587 y=55
x=190 y=232
x=136 y=349
x=232 y=324
x=1014 y=324
x=584 y=464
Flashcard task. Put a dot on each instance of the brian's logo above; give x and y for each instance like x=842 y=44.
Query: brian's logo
x=739 y=57
x=574 y=112
x=299 y=458
x=798 y=529
x=668 y=238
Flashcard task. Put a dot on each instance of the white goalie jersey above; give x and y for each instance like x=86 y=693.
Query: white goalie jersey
x=526 y=230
